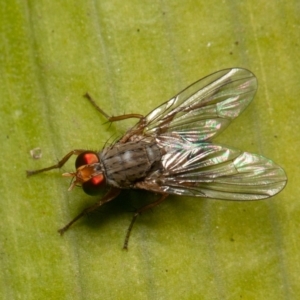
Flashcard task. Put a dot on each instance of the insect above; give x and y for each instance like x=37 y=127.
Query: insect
x=169 y=151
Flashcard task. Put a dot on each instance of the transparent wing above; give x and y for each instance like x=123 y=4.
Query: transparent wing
x=215 y=171
x=205 y=108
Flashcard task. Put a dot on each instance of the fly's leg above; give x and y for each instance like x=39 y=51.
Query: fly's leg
x=138 y=128
x=137 y=213
x=58 y=165
x=102 y=112
x=112 y=118
x=110 y=195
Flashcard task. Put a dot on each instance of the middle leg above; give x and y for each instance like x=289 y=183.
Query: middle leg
x=137 y=213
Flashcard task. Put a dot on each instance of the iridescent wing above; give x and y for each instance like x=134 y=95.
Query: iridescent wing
x=214 y=171
x=192 y=166
x=205 y=108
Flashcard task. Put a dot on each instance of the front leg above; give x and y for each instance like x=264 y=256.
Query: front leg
x=110 y=195
x=58 y=165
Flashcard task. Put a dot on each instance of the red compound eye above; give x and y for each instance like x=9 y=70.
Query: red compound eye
x=86 y=158
x=93 y=186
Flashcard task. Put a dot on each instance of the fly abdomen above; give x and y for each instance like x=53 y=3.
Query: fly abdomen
x=124 y=164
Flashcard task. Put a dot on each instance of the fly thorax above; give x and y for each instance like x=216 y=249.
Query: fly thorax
x=125 y=164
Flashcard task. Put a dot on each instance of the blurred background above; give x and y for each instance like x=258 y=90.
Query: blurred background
x=131 y=57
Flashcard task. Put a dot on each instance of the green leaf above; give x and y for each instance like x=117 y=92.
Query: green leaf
x=132 y=56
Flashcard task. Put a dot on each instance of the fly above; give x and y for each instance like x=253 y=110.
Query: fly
x=169 y=151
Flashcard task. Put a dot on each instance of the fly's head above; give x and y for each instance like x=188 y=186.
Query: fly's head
x=89 y=174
